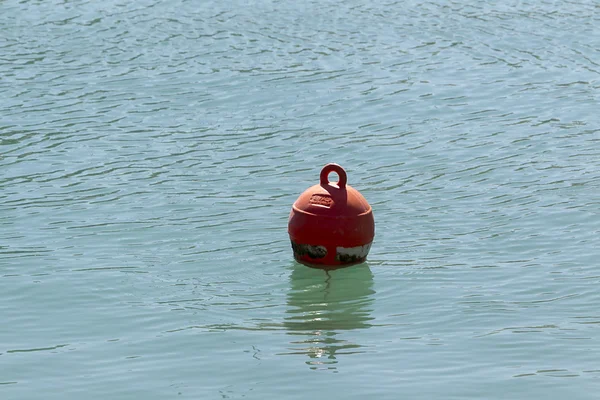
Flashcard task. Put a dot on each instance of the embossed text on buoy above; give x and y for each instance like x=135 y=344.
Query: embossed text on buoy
x=331 y=224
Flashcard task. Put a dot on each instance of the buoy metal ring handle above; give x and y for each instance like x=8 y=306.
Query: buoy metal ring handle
x=338 y=170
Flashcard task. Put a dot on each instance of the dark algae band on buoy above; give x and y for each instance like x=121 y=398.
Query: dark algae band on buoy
x=331 y=224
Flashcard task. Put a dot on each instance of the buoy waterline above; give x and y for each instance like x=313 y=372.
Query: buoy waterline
x=331 y=224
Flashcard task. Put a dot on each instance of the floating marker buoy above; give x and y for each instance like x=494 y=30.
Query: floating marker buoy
x=331 y=224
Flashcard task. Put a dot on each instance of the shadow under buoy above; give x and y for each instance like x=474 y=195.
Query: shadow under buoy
x=322 y=306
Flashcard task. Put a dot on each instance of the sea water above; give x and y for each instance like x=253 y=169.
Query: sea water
x=150 y=152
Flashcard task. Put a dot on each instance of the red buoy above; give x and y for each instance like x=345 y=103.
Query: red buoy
x=331 y=224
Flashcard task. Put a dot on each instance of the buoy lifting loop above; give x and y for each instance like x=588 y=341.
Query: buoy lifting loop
x=338 y=170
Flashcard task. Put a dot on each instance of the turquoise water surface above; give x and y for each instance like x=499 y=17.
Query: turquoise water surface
x=150 y=152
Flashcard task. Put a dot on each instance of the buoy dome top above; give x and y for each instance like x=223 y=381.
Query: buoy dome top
x=332 y=199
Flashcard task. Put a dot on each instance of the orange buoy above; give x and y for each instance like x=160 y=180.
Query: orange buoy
x=331 y=224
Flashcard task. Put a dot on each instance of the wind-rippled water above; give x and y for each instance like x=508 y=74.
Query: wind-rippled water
x=150 y=152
